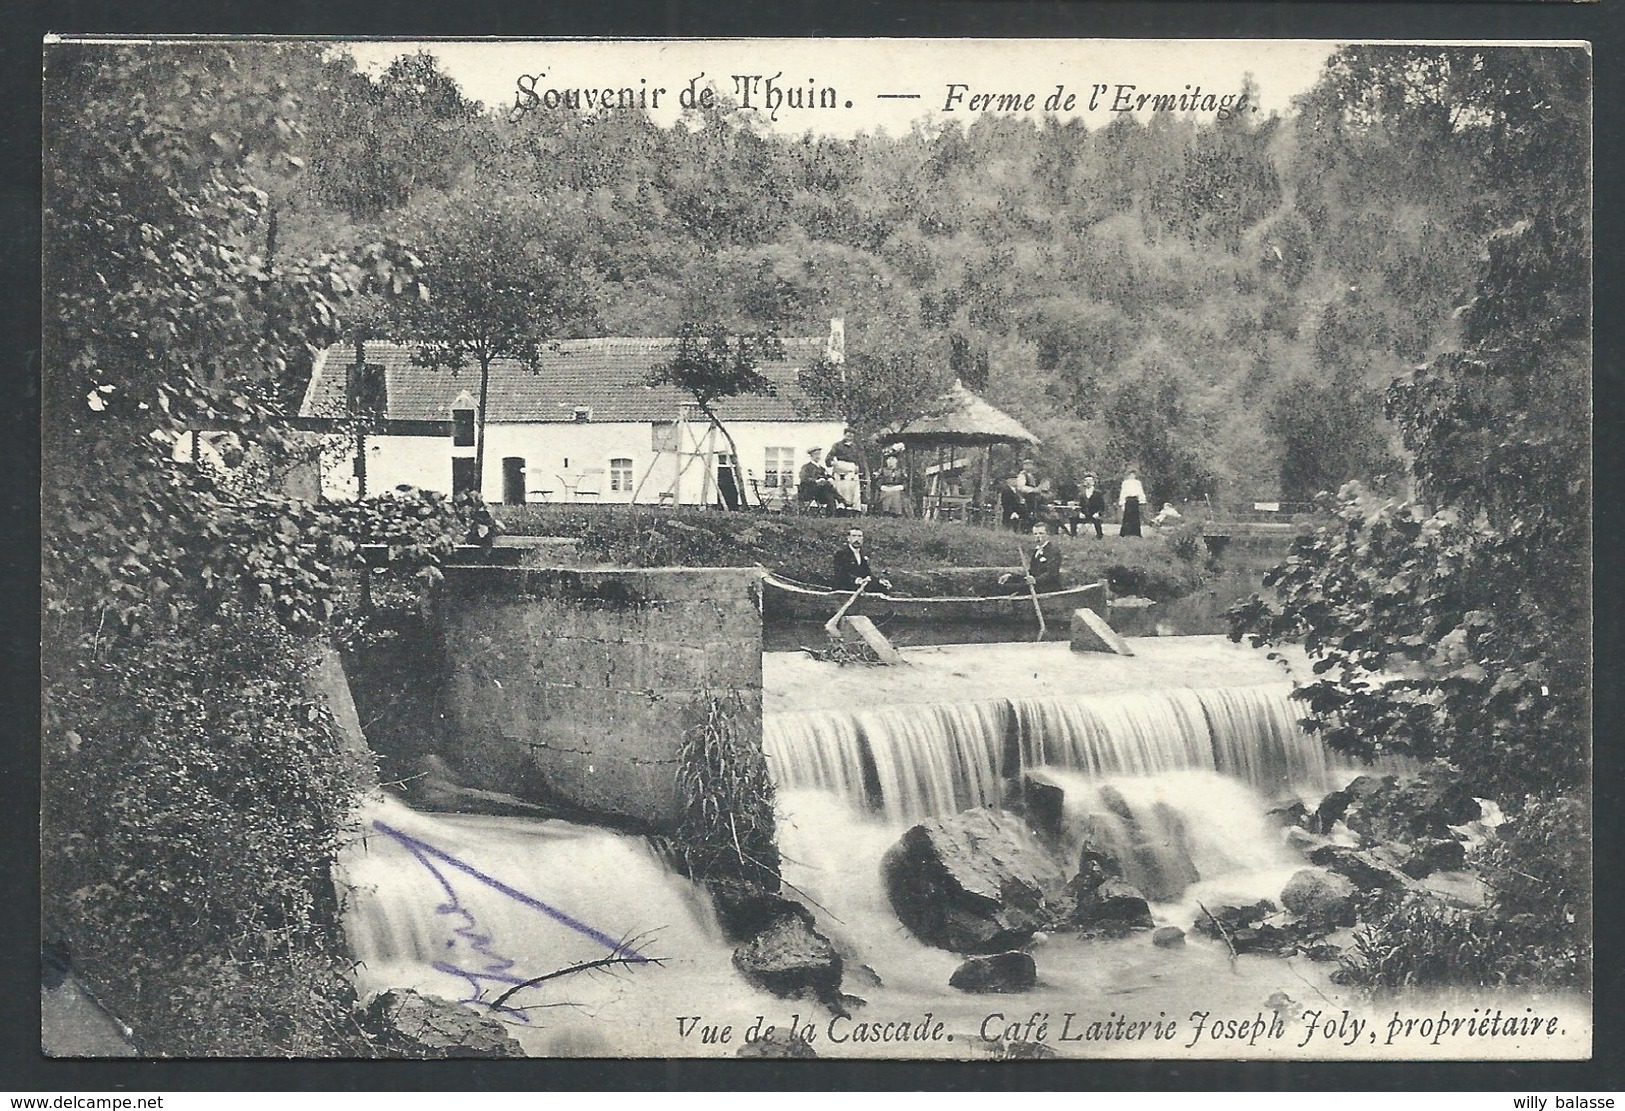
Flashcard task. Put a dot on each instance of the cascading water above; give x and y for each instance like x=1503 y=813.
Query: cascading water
x=1249 y=733
x=940 y=758
x=1175 y=781
x=914 y=761
x=467 y=908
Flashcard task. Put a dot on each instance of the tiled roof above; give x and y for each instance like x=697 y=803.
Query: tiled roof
x=607 y=375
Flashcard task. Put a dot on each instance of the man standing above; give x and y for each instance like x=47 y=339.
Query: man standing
x=852 y=568
x=1092 y=506
x=1034 y=492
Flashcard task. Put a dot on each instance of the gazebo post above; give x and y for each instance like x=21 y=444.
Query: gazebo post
x=986 y=452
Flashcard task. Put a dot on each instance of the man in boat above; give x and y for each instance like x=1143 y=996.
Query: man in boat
x=852 y=568
x=1044 y=568
x=814 y=487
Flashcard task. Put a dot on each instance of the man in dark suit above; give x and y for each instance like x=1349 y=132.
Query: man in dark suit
x=852 y=568
x=1044 y=569
x=1091 y=505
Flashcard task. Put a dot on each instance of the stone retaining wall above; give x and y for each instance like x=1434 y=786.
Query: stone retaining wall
x=579 y=686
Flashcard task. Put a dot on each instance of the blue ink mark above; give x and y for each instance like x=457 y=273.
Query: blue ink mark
x=496 y=972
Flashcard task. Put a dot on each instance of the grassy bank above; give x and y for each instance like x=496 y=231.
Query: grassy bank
x=801 y=547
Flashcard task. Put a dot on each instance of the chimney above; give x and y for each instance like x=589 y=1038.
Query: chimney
x=835 y=346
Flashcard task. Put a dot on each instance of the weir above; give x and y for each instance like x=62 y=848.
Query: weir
x=910 y=762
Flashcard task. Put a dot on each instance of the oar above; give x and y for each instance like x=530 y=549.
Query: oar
x=1032 y=590
x=833 y=625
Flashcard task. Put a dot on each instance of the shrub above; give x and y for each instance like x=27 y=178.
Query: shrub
x=191 y=814
x=1535 y=930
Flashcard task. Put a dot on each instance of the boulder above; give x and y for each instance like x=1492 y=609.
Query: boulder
x=1330 y=811
x=1262 y=938
x=999 y=973
x=1168 y=937
x=1367 y=872
x=1095 y=866
x=1319 y=896
x=1426 y=806
x=781 y=1045
x=1335 y=806
x=791 y=959
x=1304 y=841
x=1045 y=804
x=409 y=1025
x=745 y=910
x=1232 y=918
x=1113 y=905
x=1434 y=854
x=974 y=882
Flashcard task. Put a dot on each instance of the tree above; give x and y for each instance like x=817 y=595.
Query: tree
x=504 y=280
x=377 y=142
x=186 y=863
x=710 y=366
x=1458 y=625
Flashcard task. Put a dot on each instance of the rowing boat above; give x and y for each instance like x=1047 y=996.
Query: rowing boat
x=787 y=600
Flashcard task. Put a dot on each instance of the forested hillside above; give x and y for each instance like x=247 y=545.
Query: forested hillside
x=1221 y=302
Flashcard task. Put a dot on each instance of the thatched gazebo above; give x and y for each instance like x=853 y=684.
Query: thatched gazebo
x=957 y=419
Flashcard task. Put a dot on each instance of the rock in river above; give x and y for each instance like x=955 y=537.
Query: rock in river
x=1114 y=904
x=974 y=882
x=407 y=1024
x=1001 y=973
x=791 y=959
x=1319 y=896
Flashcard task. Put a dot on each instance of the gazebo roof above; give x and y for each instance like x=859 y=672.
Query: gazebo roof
x=960 y=417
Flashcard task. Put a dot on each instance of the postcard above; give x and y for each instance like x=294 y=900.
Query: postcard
x=825 y=548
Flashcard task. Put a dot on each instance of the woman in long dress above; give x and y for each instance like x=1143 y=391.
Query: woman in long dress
x=1130 y=497
x=891 y=484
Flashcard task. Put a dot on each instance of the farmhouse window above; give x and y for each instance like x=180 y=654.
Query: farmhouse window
x=779 y=471
x=620 y=474
x=462 y=428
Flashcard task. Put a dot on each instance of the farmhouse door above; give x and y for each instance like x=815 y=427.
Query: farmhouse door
x=462 y=474
x=727 y=481
x=513 y=480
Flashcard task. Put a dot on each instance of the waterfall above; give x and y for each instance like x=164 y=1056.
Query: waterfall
x=467 y=908
x=1249 y=733
x=913 y=761
x=1180 y=836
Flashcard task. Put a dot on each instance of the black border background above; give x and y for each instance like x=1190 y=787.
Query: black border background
x=24 y=1070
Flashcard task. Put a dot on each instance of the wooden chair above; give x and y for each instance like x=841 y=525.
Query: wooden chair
x=591 y=484
x=952 y=507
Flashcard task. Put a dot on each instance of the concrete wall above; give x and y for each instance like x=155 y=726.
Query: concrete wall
x=581 y=685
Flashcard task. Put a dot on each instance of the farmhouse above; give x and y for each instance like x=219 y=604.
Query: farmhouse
x=584 y=425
